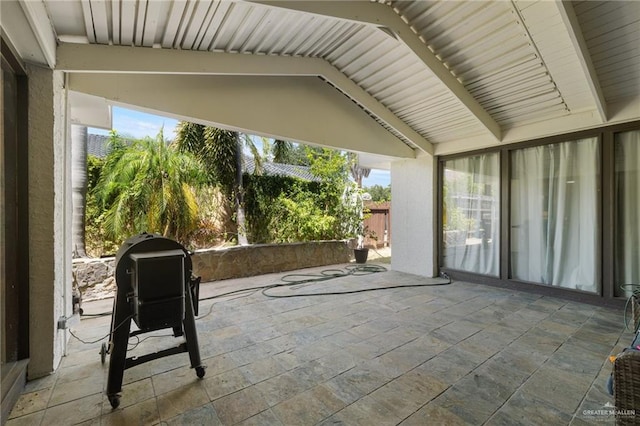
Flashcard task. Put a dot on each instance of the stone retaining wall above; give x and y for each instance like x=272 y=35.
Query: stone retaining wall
x=95 y=276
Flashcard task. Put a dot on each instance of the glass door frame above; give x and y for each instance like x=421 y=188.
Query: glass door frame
x=606 y=229
x=15 y=235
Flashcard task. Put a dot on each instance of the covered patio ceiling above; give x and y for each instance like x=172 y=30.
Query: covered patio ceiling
x=423 y=76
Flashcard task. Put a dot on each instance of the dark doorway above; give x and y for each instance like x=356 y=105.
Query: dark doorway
x=14 y=274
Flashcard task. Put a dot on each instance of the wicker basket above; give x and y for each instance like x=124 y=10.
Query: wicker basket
x=626 y=387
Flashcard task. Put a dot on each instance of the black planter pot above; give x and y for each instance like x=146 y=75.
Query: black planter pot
x=361 y=254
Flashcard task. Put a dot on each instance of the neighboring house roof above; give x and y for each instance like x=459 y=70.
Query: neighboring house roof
x=98 y=146
x=279 y=169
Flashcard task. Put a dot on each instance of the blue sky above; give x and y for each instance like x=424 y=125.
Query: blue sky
x=138 y=124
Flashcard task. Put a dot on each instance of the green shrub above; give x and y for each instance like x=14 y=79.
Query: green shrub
x=285 y=209
x=300 y=219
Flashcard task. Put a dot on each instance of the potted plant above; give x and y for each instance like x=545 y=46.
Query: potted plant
x=361 y=252
x=354 y=215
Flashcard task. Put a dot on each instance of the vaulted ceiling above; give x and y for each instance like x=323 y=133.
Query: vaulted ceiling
x=439 y=76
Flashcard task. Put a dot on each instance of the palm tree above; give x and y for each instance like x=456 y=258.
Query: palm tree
x=148 y=186
x=286 y=152
x=357 y=172
x=78 y=187
x=220 y=151
x=282 y=151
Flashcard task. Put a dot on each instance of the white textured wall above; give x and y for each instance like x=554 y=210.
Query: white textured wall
x=49 y=272
x=413 y=206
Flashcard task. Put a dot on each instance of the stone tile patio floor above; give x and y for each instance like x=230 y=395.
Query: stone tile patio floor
x=457 y=354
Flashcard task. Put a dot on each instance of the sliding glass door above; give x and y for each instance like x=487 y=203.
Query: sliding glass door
x=555 y=214
x=562 y=212
x=471 y=214
x=14 y=272
x=627 y=235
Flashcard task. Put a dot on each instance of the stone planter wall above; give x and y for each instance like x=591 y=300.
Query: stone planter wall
x=95 y=276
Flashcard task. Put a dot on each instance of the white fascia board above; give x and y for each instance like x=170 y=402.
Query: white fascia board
x=372 y=161
x=42 y=28
x=624 y=111
x=619 y=113
x=17 y=31
x=308 y=110
x=121 y=59
x=552 y=127
x=572 y=27
x=381 y=15
x=90 y=111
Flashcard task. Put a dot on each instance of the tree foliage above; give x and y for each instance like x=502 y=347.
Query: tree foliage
x=282 y=151
x=97 y=242
x=300 y=218
x=217 y=149
x=285 y=209
x=148 y=186
x=379 y=193
x=187 y=191
x=220 y=152
x=262 y=202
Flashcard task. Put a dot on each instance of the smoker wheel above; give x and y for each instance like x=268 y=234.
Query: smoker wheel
x=200 y=372
x=114 y=400
x=103 y=352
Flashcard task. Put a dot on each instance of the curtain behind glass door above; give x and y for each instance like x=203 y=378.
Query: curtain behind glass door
x=627 y=178
x=555 y=215
x=471 y=214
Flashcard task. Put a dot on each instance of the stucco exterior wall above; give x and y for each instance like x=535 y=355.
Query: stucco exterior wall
x=413 y=220
x=48 y=270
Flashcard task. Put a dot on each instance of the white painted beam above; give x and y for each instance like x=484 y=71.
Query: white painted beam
x=120 y=59
x=619 y=113
x=42 y=28
x=308 y=110
x=381 y=15
x=582 y=52
x=88 y=58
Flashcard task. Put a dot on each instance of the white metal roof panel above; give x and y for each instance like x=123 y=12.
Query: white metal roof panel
x=390 y=72
x=550 y=35
x=612 y=32
x=516 y=59
x=486 y=46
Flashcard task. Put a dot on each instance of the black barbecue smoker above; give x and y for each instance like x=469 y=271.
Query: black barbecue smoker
x=156 y=289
